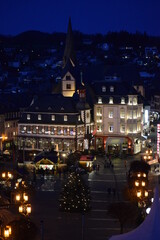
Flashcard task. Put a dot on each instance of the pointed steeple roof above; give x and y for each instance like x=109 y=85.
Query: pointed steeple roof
x=69 y=53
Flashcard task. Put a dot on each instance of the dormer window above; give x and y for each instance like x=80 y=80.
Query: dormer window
x=111 y=89
x=99 y=100
x=134 y=101
x=65 y=118
x=103 y=89
x=111 y=100
x=53 y=117
x=122 y=100
x=28 y=116
x=68 y=77
x=39 y=117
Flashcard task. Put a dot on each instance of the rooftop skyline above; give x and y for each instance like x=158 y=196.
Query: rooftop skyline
x=87 y=16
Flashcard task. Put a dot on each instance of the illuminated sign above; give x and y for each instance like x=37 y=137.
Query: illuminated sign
x=158 y=138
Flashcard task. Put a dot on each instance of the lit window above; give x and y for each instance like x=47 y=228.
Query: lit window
x=99 y=100
x=111 y=114
x=103 y=89
x=122 y=100
x=111 y=100
x=39 y=117
x=111 y=128
x=111 y=89
x=28 y=116
x=122 y=113
x=53 y=117
x=134 y=101
x=65 y=118
x=122 y=128
x=79 y=118
x=99 y=111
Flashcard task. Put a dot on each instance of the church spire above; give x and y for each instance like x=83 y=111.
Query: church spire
x=69 y=53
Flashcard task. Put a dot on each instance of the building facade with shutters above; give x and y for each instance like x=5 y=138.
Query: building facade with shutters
x=118 y=115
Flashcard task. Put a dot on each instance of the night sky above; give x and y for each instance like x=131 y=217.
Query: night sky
x=88 y=16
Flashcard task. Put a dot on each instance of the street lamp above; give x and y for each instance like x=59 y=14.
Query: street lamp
x=22 y=198
x=5 y=232
x=25 y=209
x=7 y=175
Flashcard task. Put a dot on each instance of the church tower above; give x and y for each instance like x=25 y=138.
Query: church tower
x=69 y=65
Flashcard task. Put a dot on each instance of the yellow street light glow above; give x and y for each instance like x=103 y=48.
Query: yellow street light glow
x=6 y=232
x=18 y=197
x=25 y=197
x=29 y=209
x=9 y=175
x=136 y=183
x=10 y=229
x=20 y=209
x=3 y=175
x=138 y=175
x=146 y=151
x=146 y=193
x=139 y=194
x=143 y=183
x=144 y=175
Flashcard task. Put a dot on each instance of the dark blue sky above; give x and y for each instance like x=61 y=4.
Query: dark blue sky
x=88 y=16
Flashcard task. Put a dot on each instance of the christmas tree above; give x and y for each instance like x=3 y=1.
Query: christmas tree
x=75 y=195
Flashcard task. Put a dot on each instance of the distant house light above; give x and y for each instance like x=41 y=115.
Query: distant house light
x=103 y=89
x=28 y=116
x=99 y=100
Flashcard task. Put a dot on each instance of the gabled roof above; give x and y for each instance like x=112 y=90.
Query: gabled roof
x=150 y=228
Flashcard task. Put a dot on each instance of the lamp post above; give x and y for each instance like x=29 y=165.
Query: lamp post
x=22 y=198
x=5 y=232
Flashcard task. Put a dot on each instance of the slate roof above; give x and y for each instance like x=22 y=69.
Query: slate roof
x=55 y=103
